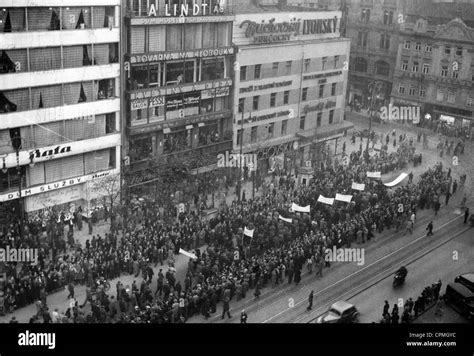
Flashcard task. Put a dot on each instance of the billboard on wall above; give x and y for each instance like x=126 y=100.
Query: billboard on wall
x=267 y=28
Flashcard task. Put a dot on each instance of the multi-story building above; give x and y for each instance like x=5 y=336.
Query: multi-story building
x=435 y=63
x=59 y=101
x=179 y=59
x=290 y=83
x=372 y=26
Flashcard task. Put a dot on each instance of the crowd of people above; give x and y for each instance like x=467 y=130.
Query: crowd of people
x=232 y=265
x=412 y=309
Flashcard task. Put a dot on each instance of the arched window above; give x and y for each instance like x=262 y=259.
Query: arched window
x=382 y=68
x=360 y=65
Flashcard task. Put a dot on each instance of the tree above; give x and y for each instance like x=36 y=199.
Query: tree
x=108 y=189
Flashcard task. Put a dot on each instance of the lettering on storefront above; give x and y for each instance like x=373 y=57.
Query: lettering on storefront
x=323 y=75
x=49 y=153
x=265 y=86
x=188 y=9
x=320 y=106
x=54 y=186
x=166 y=56
x=264 y=117
x=283 y=31
x=149 y=93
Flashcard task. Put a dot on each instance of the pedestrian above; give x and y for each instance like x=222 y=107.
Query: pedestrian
x=70 y=288
x=448 y=195
x=89 y=224
x=310 y=265
x=455 y=186
x=243 y=317
x=466 y=215
x=310 y=300
x=429 y=228
x=226 y=306
x=386 y=308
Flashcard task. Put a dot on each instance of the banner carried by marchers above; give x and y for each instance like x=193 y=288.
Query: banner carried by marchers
x=399 y=179
x=285 y=219
x=358 y=186
x=328 y=201
x=189 y=254
x=248 y=232
x=374 y=174
x=300 y=209
x=344 y=198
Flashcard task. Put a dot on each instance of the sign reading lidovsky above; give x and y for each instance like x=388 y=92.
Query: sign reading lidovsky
x=56 y=185
x=283 y=27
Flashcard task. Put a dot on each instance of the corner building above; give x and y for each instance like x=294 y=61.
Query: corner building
x=290 y=84
x=179 y=59
x=59 y=102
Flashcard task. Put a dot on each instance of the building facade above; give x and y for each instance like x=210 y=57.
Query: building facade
x=435 y=69
x=290 y=85
x=179 y=59
x=59 y=102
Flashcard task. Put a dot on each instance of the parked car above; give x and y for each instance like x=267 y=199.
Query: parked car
x=460 y=298
x=340 y=312
x=467 y=280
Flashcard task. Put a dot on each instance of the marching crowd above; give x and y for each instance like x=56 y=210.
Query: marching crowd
x=232 y=265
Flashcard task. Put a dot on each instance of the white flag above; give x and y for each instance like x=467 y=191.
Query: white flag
x=374 y=174
x=285 y=219
x=189 y=254
x=248 y=232
x=345 y=198
x=357 y=186
x=399 y=179
x=301 y=209
x=329 y=201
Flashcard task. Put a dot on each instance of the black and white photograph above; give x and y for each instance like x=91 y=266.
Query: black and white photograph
x=303 y=167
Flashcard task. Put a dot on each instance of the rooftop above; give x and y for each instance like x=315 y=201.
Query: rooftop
x=442 y=13
x=262 y=6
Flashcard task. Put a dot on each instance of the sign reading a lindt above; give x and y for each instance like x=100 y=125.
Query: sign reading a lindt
x=187 y=9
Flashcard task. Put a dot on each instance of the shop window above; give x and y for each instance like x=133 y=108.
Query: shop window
x=208 y=134
x=141 y=148
x=105 y=89
x=177 y=141
x=139 y=77
x=180 y=72
x=212 y=69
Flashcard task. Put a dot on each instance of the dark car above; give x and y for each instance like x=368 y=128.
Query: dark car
x=467 y=280
x=340 y=312
x=461 y=298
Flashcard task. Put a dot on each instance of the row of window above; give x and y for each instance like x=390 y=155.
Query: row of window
x=442 y=94
x=61 y=57
x=428 y=47
x=286 y=95
x=179 y=72
x=56 y=95
x=275 y=69
x=360 y=65
x=270 y=128
x=387 y=16
x=446 y=70
x=384 y=42
x=19 y=19
x=181 y=37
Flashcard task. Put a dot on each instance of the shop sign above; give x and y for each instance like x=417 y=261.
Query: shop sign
x=140 y=104
x=45 y=153
x=320 y=106
x=175 y=102
x=265 y=86
x=214 y=93
x=56 y=185
x=178 y=89
x=264 y=117
x=322 y=75
x=168 y=56
x=188 y=9
x=283 y=31
x=179 y=20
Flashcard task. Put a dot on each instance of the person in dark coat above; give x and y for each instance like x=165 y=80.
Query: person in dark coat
x=466 y=215
x=297 y=276
x=226 y=306
x=310 y=300
x=243 y=317
x=429 y=228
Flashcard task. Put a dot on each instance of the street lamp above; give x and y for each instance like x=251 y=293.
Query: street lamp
x=375 y=88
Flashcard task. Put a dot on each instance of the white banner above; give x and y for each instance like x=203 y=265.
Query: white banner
x=345 y=198
x=374 y=174
x=329 y=201
x=188 y=254
x=285 y=219
x=248 y=232
x=399 y=179
x=301 y=209
x=358 y=186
